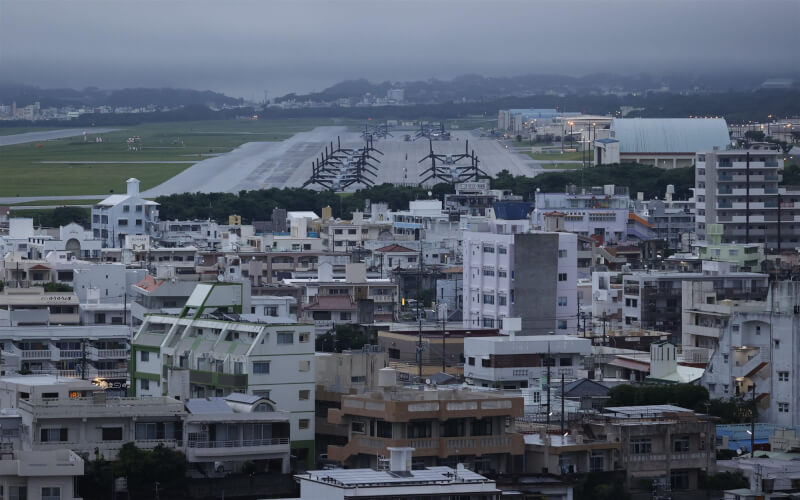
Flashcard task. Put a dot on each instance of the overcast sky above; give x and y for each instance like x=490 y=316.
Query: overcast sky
x=246 y=47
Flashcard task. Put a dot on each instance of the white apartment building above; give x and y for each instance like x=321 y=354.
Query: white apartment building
x=205 y=352
x=724 y=196
x=120 y=215
x=761 y=347
x=510 y=272
x=216 y=434
x=519 y=362
x=600 y=211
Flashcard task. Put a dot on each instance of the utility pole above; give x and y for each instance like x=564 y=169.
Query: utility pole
x=419 y=316
x=753 y=422
x=562 y=404
x=83 y=359
x=779 y=226
x=443 y=307
x=747 y=200
x=548 y=385
x=604 y=328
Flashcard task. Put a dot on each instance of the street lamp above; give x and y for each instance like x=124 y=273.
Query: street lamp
x=570 y=133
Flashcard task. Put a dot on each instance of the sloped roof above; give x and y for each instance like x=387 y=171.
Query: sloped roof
x=149 y=284
x=585 y=387
x=670 y=135
x=207 y=406
x=395 y=248
x=332 y=303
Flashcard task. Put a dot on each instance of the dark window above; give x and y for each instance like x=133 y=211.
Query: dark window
x=112 y=434
x=394 y=353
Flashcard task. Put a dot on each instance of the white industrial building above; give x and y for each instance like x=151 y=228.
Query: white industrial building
x=661 y=142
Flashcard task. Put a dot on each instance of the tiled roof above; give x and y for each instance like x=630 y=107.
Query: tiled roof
x=332 y=303
x=394 y=248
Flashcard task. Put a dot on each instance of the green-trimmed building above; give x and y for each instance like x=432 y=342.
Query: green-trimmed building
x=207 y=351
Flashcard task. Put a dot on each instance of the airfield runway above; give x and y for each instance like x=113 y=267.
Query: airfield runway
x=48 y=135
x=260 y=165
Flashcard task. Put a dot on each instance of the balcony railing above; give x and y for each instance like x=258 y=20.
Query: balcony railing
x=37 y=354
x=238 y=443
x=112 y=353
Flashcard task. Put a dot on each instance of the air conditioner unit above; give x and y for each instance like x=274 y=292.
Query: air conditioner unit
x=204 y=427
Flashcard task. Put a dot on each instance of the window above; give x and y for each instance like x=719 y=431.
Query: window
x=144 y=356
x=777 y=344
x=562 y=324
x=488 y=299
x=17 y=493
x=679 y=479
x=393 y=353
x=597 y=461
x=502 y=250
x=53 y=435
x=502 y=300
x=783 y=376
x=488 y=272
x=562 y=276
x=285 y=337
x=471 y=361
x=302 y=423
x=305 y=366
x=562 y=253
x=488 y=249
x=562 y=301
x=260 y=367
x=486 y=362
x=502 y=273
x=641 y=446
x=488 y=322
x=680 y=443
x=565 y=361
x=783 y=407
x=724 y=358
x=725 y=388
x=112 y=433
x=262 y=393
x=303 y=394
x=303 y=337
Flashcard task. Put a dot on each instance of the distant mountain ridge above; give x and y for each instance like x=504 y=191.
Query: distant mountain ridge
x=476 y=87
x=129 y=97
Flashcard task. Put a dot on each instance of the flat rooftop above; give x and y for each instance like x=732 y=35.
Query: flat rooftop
x=351 y=478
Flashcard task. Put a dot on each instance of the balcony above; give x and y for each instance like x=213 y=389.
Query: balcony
x=245 y=448
x=36 y=354
x=109 y=353
x=442 y=447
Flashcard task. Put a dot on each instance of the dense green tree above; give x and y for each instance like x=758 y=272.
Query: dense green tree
x=57 y=287
x=755 y=135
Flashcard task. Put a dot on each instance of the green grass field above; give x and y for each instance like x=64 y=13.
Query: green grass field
x=23 y=174
x=557 y=156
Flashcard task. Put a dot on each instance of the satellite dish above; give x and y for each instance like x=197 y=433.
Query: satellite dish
x=738 y=451
x=220 y=278
x=428 y=381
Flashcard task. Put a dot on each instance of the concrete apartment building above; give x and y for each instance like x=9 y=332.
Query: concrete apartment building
x=217 y=435
x=600 y=212
x=653 y=299
x=444 y=426
x=510 y=272
x=205 y=351
x=120 y=215
x=93 y=352
x=519 y=362
x=759 y=346
x=723 y=197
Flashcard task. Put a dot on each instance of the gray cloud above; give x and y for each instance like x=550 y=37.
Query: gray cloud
x=245 y=47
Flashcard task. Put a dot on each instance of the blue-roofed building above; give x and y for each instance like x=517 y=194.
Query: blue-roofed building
x=662 y=142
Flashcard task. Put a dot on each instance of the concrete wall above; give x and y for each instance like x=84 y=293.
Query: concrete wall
x=535 y=281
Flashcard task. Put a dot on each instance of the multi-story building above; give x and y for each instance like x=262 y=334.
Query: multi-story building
x=601 y=212
x=217 y=435
x=745 y=256
x=35 y=475
x=670 y=220
x=396 y=479
x=205 y=351
x=90 y=352
x=510 y=272
x=444 y=426
x=758 y=349
x=522 y=361
x=653 y=299
x=742 y=190
x=120 y=215
x=660 y=449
